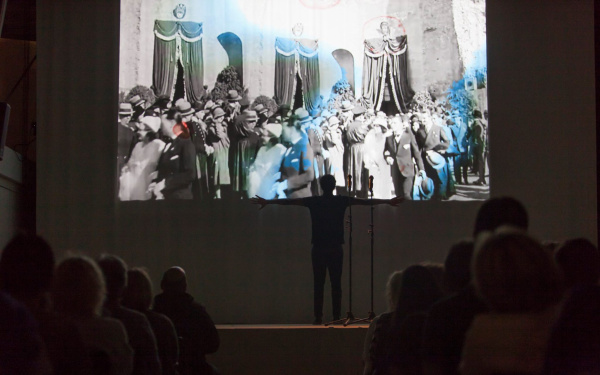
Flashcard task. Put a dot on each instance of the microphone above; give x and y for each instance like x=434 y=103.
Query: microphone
x=371 y=184
x=349 y=182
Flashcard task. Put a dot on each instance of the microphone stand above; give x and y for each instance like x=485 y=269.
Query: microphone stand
x=349 y=315
x=371 y=231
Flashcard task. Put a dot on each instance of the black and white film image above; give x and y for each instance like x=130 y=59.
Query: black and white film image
x=230 y=99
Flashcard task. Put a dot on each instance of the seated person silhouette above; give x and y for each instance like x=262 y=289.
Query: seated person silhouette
x=197 y=333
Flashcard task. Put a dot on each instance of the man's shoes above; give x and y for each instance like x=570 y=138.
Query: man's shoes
x=317 y=321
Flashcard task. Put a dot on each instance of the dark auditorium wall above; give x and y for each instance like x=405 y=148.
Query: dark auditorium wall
x=254 y=267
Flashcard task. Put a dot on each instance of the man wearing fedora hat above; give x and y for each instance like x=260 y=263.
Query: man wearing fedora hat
x=479 y=142
x=245 y=143
x=177 y=166
x=333 y=141
x=263 y=115
x=234 y=107
x=198 y=133
x=400 y=150
x=346 y=116
x=219 y=160
x=356 y=132
x=461 y=160
x=126 y=137
x=435 y=142
x=138 y=104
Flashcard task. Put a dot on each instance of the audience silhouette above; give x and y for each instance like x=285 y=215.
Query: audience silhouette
x=522 y=286
x=197 y=333
x=396 y=342
x=78 y=293
x=26 y=273
x=138 y=296
x=141 y=337
x=502 y=303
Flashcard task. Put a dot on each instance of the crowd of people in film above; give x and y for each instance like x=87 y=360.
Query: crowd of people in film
x=502 y=303
x=222 y=149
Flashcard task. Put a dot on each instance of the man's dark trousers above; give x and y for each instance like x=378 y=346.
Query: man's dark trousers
x=330 y=257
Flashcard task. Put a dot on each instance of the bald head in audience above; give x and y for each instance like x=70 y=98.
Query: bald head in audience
x=174 y=280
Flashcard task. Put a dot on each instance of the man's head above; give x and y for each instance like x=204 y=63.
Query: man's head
x=26 y=266
x=496 y=212
x=416 y=122
x=359 y=113
x=186 y=110
x=174 y=280
x=291 y=128
x=427 y=121
x=477 y=114
x=125 y=113
x=137 y=102
x=327 y=183
x=396 y=125
x=513 y=273
x=115 y=275
x=250 y=118
x=138 y=294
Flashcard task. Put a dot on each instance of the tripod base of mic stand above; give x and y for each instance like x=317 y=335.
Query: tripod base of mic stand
x=367 y=319
x=349 y=317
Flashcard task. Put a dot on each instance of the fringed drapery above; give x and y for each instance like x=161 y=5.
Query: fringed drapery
x=297 y=56
x=165 y=66
x=387 y=58
x=178 y=41
x=193 y=70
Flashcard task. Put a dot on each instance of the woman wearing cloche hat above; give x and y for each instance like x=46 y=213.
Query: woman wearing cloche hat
x=265 y=170
x=139 y=171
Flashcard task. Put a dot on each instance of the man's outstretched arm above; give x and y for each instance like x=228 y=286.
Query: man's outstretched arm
x=284 y=202
x=374 y=202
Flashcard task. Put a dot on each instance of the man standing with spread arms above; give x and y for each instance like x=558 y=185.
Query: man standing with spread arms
x=327 y=217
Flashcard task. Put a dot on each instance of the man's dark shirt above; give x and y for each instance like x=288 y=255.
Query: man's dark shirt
x=446 y=326
x=197 y=333
x=327 y=215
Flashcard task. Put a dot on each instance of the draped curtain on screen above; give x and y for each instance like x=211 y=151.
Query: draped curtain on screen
x=297 y=56
x=175 y=41
x=386 y=58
